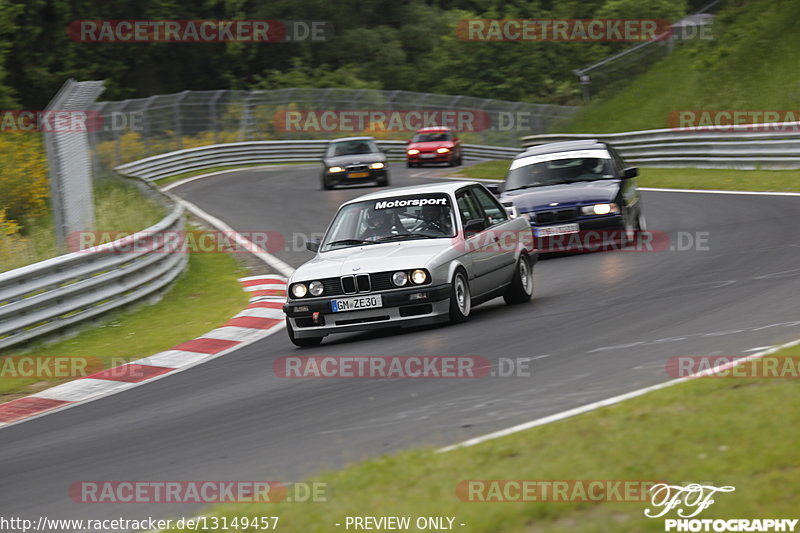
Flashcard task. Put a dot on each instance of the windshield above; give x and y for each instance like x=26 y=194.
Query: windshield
x=559 y=171
x=360 y=146
x=430 y=137
x=389 y=219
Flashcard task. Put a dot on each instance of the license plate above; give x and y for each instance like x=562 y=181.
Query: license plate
x=358 y=175
x=356 y=304
x=561 y=229
x=427 y=156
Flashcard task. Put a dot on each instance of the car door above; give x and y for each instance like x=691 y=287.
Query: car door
x=500 y=241
x=473 y=242
x=628 y=197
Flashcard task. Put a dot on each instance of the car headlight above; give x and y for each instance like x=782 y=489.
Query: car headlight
x=376 y=166
x=418 y=277
x=413 y=151
x=299 y=290
x=400 y=278
x=315 y=288
x=442 y=150
x=335 y=169
x=600 y=209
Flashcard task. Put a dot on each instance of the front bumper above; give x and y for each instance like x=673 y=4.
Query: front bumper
x=346 y=177
x=598 y=232
x=437 y=158
x=398 y=310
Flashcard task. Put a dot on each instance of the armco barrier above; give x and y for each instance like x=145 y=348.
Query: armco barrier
x=737 y=147
x=56 y=293
x=253 y=152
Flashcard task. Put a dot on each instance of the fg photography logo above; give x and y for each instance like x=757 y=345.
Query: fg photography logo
x=688 y=501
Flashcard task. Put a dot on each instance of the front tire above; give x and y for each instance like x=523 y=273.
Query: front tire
x=326 y=186
x=303 y=343
x=521 y=288
x=460 y=299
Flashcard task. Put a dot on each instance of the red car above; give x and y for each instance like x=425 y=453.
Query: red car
x=434 y=145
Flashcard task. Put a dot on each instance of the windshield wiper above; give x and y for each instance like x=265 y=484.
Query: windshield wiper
x=350 y=241
x=528 y=186
x=406 y=235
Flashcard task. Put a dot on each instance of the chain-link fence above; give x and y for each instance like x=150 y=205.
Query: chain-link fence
x=69 y=159
x=139 y=128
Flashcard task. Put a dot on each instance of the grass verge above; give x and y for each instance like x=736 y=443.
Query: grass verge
x=204 y=297
x=739 y=432
x=118 y=206
x=679 y=178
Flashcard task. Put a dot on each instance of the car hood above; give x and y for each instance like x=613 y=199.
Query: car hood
x=355 y=159
x=371 y=258
x=581 y=193
x=433 y=145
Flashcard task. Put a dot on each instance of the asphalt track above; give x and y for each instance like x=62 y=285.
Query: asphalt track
x=600 y=324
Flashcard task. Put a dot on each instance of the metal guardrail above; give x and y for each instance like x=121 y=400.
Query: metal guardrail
x=254 y=152
x=56 y=293
x=736 y=147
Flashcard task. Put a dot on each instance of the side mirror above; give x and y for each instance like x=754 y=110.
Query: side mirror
x=630 y=172
x=494 y=189
x=312 y=246
x=476 y=225
x=408 y=141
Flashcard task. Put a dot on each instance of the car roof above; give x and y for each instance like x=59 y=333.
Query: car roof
x=431 y=129
x=448 y=187
x=363 y=138
x=566 y=146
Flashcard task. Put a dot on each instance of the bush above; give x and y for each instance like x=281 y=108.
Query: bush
x=24 y=186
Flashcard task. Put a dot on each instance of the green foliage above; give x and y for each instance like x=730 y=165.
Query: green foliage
x=381 y=44
x=750 y=64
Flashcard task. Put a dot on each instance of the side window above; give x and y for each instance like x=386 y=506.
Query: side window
x=494 y=211
x=467 y=207
x=617 y=160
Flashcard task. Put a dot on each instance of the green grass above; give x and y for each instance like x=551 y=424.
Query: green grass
x=119 y=206
x=204 y=297
x=487 y=170
x=737 y=180
x=751 y=65
x=679 y=178
x=739 y=432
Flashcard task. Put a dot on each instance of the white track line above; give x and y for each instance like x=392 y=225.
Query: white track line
x=248 y=245
x=217 y=173
x=712 y=191
x=610 y=401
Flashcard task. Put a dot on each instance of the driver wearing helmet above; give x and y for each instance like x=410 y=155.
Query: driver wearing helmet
x=380 y=223
x=433 y=219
